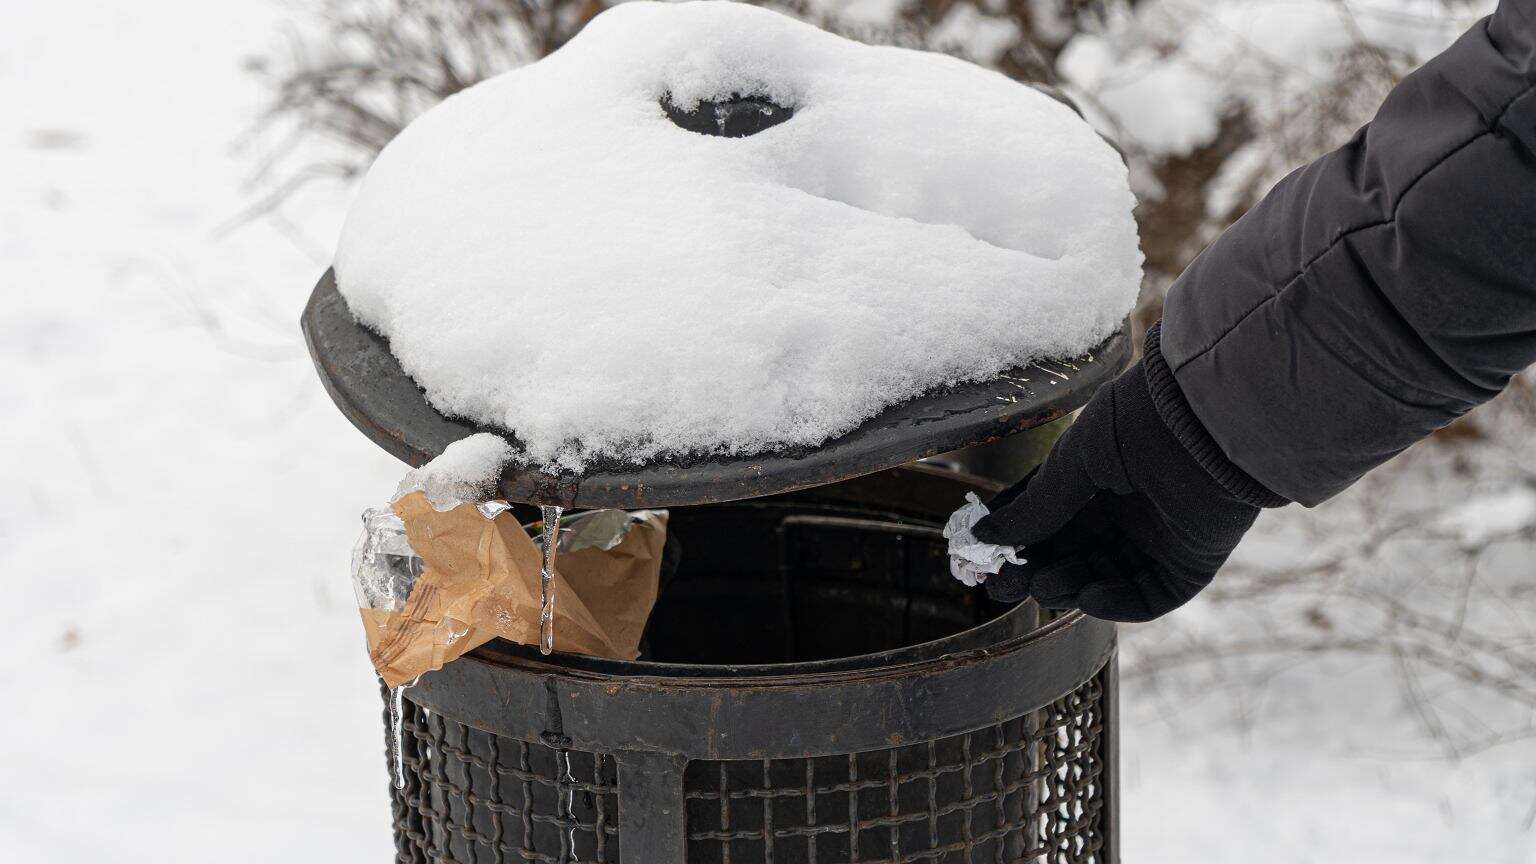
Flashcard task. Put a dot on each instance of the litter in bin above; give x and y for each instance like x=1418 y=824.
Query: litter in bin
x=437 y=575
x=384 y=567
x=434 y=584
x=970 y=560
x=470 y=573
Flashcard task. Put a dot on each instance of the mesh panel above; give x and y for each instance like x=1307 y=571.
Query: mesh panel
x=1028 y=790
x=471 y=796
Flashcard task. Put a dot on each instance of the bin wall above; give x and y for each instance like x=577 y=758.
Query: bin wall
x=1036 y=788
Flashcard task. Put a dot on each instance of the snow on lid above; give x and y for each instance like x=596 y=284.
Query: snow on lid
x=466 y=471
x=549 y=254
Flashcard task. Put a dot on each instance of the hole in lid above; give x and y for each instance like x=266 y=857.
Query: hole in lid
x=736 y=116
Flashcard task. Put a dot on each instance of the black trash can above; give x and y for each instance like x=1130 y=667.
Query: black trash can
x=817 y=689
x=815 y=686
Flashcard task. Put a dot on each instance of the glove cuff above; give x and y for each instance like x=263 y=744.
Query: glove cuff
x=1180 y=419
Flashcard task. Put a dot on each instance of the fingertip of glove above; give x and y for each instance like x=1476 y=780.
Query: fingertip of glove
x=1008 y=585
x=1120 y=601
x=987 y=530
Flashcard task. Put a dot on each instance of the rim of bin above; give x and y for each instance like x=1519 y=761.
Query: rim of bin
x=1018 y=618
x=793 y=715
x=367 y=383
x=980 y=635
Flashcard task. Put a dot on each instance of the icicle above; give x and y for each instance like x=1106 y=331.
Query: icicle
x=547 y=579
x=568 y=802
x=396 y=731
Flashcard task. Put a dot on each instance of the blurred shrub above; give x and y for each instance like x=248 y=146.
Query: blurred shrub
x=1211 y=100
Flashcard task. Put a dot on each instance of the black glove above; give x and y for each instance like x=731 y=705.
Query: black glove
x=1121 y=520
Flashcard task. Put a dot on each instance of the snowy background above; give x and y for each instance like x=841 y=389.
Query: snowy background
x=1360 y=685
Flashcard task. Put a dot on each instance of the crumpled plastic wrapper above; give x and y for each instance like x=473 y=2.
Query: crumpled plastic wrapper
x=970 y=560
x=433 y=582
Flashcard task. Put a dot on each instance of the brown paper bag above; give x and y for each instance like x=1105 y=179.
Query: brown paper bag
x=481 y=580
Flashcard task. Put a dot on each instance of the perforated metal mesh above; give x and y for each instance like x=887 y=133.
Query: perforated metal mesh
x=1028 y=790
x=470 y=796
x=1032 y=789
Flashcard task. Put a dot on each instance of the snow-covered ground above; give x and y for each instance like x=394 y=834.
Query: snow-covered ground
x=168 y=448
x=183 y=677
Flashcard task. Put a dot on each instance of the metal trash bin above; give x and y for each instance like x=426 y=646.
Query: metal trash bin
x=822 y=691
x=815 y=687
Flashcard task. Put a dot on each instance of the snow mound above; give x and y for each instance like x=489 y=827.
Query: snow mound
x=466 y=470
x=549 y=254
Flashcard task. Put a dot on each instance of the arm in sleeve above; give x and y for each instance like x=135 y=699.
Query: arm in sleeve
x=1375 y=294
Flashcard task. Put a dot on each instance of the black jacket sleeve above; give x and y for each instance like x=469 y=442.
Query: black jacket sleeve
x=1375 y=294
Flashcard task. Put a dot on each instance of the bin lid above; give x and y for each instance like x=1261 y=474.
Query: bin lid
x=379 y=398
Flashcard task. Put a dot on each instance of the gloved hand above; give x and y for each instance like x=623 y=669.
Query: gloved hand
x=1121 y=520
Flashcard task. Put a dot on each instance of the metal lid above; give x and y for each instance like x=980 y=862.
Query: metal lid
x=368 y=385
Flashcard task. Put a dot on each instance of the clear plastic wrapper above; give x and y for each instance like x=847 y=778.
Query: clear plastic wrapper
x=436 y=578
x=384 y=567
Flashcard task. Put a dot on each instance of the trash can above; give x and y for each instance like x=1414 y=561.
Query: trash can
x=815 y=687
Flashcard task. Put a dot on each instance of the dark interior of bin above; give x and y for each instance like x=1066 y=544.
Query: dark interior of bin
x=855 y=571
x=788 y=582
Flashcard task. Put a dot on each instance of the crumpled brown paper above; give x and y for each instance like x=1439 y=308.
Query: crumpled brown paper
x=481 y=581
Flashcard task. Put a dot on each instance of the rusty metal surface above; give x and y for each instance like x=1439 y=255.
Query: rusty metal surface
x=734 y=714
x=368 y=385
x=1038 y=788
x=1109 y=713
x=1031 y=789
x=472 y=797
